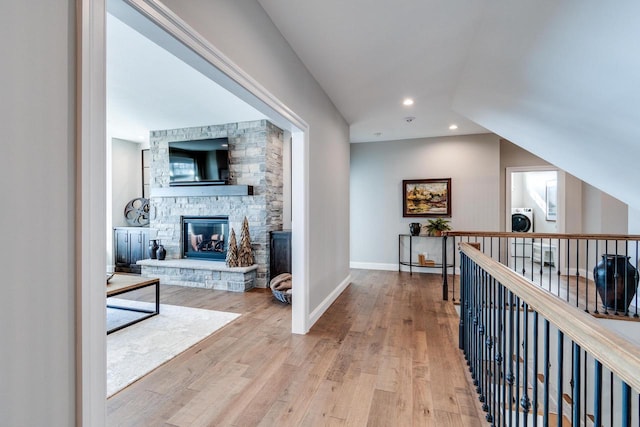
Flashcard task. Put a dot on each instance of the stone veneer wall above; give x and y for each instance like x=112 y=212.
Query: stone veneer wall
x=255 y=158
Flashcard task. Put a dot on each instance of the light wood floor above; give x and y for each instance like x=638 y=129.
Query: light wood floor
x=384 y=354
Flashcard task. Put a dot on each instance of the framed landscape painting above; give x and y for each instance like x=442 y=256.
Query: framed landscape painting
x=426 y=197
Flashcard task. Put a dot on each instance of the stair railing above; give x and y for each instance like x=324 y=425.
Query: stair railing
x=538 y=361
x=563 y=264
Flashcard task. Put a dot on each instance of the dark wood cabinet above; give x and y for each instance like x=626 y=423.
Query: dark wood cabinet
x=131 y=244
x=279 y=253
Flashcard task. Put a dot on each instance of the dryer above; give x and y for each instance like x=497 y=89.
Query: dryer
x=522 y=220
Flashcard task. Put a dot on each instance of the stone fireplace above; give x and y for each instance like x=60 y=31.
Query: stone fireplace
x=255 y=161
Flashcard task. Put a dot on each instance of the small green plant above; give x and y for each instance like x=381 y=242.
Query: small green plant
x=435 y=227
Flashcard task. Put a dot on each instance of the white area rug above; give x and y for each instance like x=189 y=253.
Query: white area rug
x=135 y=351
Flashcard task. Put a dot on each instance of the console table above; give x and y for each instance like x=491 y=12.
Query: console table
x=122 y=283
x=412 y=264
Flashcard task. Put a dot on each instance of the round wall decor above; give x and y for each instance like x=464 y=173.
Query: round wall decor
x=137 y=212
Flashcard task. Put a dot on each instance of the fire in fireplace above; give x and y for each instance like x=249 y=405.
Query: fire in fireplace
x=205 y=237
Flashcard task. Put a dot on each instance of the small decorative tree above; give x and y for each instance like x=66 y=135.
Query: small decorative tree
x=232 y=250
x=245 y=254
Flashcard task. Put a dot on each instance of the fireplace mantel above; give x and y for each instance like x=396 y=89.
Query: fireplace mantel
x=203 y=191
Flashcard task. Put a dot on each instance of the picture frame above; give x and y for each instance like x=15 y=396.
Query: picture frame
x=424 y=198
x=551 y=200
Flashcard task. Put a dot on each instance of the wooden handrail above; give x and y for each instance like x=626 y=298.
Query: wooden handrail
x=560 y=236
x=610 y=348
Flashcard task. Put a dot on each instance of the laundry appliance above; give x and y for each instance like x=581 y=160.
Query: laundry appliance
x=522 y=220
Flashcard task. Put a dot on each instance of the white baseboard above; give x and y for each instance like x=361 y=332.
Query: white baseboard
x=373 y=266
x=319 y=311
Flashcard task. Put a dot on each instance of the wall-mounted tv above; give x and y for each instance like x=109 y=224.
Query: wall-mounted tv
x=199 y=162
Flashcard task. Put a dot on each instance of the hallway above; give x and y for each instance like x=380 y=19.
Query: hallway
x=384 y=354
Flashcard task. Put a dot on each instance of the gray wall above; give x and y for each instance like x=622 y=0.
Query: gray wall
x=244 y=33
x=126 y=178
x=37 y=110
x=377 y=170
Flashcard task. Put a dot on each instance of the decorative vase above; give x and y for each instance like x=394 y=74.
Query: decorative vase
x=414 y=228
x=616 y=282
x=161 y=252
x=153 y=248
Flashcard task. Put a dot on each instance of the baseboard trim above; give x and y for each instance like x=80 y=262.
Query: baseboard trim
x=373 y=266
x=319 y=311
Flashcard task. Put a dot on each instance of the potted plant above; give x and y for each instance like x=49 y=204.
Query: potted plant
x=435 y=227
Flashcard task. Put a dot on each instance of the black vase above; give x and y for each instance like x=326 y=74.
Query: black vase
x=153 y=248
x=616 y=281
x=414 y=228
x=161 y=252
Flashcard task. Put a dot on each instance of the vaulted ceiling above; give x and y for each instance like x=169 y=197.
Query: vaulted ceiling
x=560 y=79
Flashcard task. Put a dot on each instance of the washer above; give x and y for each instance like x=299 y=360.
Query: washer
x=522 y=220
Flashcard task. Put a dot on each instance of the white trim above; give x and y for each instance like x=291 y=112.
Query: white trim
x=373 y=266
x=300 y=319
x=226 y=73
x=90 y=214
x=319 y=311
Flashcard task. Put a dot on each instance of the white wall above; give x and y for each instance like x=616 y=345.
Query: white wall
x=377 y=170
x=126 y=178
x=245 y=34
x=603 y=213
x=557 y=79
x=37 y=110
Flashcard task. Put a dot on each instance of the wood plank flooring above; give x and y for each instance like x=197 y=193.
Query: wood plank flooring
x=384 y=354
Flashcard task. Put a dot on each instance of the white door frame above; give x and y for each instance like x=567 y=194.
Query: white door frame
x=91 y=189
x=560 y=203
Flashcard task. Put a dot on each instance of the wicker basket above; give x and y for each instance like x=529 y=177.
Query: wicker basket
x=281 y=296
x=283 y=282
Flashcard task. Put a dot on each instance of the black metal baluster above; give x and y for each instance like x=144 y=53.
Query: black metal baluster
x=611 y=398
x=626 y=405
x=577 y=272
x=498 y=359
x=524 y=265
x=534 y=376
x=597 y=393
x=491 y=366
x=481 y=343
x=595 y=309
x=547 y=364
x=626 y=270
x=525 y=402
x=586 y=278
x=531 y=262
x=463 y=305
x=474 y=320
x=606 y=251
x=510 y=375
x=568 y=274
x=586 y=384
x=635 y=280
x=576 y=385
x=517 y=359
x=560 y=375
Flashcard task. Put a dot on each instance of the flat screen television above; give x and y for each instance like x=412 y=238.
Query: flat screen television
x=199 y=162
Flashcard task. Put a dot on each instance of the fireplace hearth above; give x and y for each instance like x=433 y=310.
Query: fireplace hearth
x=205 y=237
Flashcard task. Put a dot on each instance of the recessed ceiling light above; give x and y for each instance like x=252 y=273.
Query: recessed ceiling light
x=453 y=127
x=407 y=101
